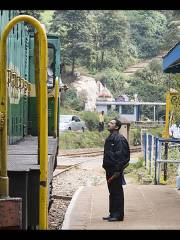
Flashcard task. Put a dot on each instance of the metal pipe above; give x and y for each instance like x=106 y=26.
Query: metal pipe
x=36 y=63
x=43 y=117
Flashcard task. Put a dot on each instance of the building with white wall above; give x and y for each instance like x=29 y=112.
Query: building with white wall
x=128 y=109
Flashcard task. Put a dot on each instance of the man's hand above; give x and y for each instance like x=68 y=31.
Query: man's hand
x=115 y=175
x=110 y=180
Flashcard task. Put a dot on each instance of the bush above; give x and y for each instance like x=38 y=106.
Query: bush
x=74 y=140
x=91 y=119
x=135 y=136
x=156 y=131
x=71 y=100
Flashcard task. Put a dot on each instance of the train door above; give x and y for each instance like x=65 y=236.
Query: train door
x=53 y=73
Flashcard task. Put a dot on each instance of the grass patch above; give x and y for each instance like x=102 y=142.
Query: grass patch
x=87 y=139
x=138 y=172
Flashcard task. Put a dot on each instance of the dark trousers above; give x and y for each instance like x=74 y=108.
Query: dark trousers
x=116 y=196
x=101 y=126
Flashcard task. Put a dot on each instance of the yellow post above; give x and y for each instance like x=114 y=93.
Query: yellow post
x=4 y=184
x=165 y=133
x=36 y=62
x=56 y=106
x=43 y=115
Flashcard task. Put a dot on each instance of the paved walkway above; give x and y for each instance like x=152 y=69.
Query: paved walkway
x=146 y=207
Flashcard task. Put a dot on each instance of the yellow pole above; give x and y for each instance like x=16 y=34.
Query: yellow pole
x=36 y=63
x=43 y=117
x=56 y=106
x=165 y=133
x=4 y=184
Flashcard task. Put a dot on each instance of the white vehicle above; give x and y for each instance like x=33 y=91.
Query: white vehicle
x=71 y=122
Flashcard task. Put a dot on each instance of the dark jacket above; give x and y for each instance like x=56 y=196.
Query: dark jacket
x=116 y=152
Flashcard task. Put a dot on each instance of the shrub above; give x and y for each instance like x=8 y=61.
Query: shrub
x=135 y=136
x=91 y=119
x=73 y=140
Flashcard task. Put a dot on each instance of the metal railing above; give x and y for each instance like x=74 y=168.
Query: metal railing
x=157 y=152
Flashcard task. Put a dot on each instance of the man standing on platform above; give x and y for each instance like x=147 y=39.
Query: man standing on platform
x=116 y=158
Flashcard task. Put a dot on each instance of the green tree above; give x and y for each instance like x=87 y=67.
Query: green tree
x=147 y=31
x=111 y=38
x=71 y=25
x=33 y=13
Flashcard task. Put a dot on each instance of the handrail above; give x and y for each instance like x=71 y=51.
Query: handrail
x=56 y=106
x=43 y=117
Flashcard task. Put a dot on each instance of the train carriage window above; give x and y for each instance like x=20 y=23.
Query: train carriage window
x=1 y=12
x=51 y=67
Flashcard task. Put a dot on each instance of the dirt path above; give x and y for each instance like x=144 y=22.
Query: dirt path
x=132 y=69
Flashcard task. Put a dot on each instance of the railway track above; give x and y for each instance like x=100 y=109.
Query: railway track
x=89 y=152
x=82 y=153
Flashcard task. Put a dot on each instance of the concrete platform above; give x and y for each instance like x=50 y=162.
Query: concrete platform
x=146 y=207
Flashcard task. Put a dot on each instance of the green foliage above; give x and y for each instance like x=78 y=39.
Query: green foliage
x=156 y=131
x=70 y=99
x=135 y=136
x=46 y=17
x=71 y=25
x=91 y=119
x=109 y=116
x=87 y=139
x=100 y=39
x=150 y=83
x=105 y=42
x=114 y=80
x=33 y=13
x=147 y=31
x=139 y=163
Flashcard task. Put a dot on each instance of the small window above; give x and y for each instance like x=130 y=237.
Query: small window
x=77 y=119
x=117 y=108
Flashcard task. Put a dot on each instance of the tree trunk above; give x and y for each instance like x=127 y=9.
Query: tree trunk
x=96 y=60
x=102 y=59
x=73 y=64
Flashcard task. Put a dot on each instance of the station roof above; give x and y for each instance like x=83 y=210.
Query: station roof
x=171 y=61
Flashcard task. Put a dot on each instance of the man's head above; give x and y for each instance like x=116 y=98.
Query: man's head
x=114 y=125
x=102 y=112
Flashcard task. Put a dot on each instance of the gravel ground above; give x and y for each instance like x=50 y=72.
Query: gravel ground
x=65 y=185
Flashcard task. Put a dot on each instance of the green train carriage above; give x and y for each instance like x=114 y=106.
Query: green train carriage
x=23 y=163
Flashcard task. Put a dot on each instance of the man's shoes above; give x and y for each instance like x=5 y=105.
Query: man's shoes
x=113 y=219
x=106 y=218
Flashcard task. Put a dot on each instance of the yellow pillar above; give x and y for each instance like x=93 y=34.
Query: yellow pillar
x=36 y=62
x=165 y=133
x=43 y=115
